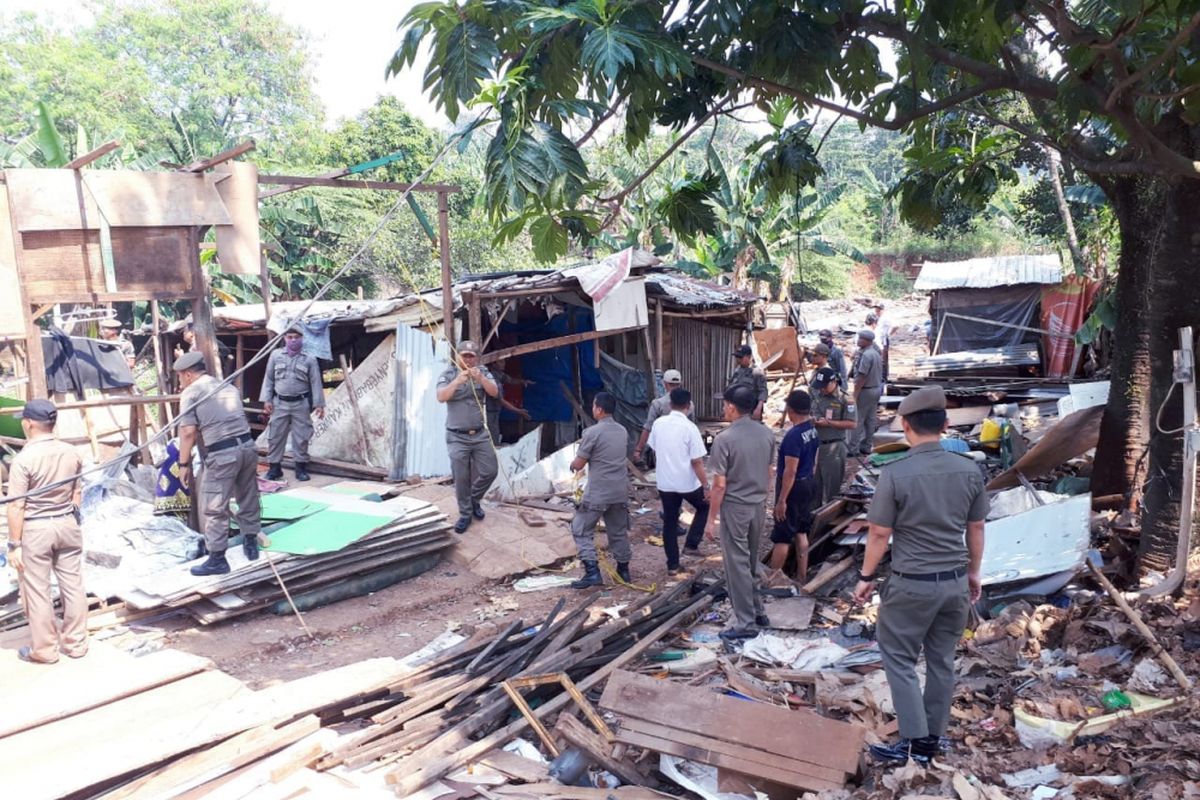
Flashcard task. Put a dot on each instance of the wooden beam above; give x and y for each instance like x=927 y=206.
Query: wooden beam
x=444 y=252
x=474 y=319
x=88 y=158
x=336 y=183
x=558 y=341
x=106 y=402
x=220 y=158
x=496 y=325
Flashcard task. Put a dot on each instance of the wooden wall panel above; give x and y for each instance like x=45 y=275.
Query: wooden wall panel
x=61 y=264
x=12 y=320
x=152 y=260
x=703 y=352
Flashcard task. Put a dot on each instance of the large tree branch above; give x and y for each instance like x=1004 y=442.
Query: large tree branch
x=1182 y=36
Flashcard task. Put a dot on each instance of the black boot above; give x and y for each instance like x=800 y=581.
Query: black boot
x=623 y=572
x=477 y=511
x=301 y=470
x=275 y=472
x=250 y=546
x=215 y=565
x=591 y=576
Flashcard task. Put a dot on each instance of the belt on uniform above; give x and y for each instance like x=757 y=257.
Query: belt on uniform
x=292 y=398
x=232 y=441
x=467 y=431
x=948 y=575
x=51 y=516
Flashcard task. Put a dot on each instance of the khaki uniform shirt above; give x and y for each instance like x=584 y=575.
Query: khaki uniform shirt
x=40 y=462
x=752 y=377
x=838 y=361
x=463 y=408
x=868 y=368
x=661 y=407
x=605 y=446
x=834 y=407
x=292 y=376
x=927 y=498
x=743 y=453
x=219 y=417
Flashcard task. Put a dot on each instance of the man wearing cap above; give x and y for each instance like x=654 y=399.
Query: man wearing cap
x=660 y=407
x=833 y=416
x=216 y=417
x=679 y=475
x=883 y=335
x=741 y=467
x=44 y=536
x=837 y=359
x=602 y=449
x=931 y=505
x=750 y=376
x=291 y=393
x=464 y=387
x=868 y=383
x=110 y=331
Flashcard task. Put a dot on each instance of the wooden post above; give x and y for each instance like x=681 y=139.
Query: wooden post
x=240 y=360
x=444 y=248
x=474 y=318
x=160 y=368
x=658 y=334
x=264 y=277
x=35 y=359
x=202 y=320
x=399 y=469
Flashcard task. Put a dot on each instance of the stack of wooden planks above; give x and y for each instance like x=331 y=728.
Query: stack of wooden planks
x=763 y=743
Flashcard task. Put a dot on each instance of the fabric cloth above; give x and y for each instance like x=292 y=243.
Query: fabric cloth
x=605 y=447
x=660 y=407
x=927 y=498
x=867 y=410
x=831 y=469
x=76 y=363
x=833 y=408
x=742 y=454
x=751 y=377
x=801 y=442
x=616 y=526
x=868 y=368
x=292 y=417
x=42 y=461
x=473 y=466
x=672 y=503
x=798 y=512
x=170 y=495
x=465 y=410
x=230 y=474
x=676 y=442
x=219 y=417
x=741 y=534
x=916 y=616
x=316 y=338
x=292 y=375
x=54 y=546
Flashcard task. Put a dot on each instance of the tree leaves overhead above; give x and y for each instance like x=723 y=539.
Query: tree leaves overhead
x=787 y=161
x=687 y=206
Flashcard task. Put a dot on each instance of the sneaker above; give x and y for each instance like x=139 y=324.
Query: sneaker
x=692 y=551
x=899 y=752
x=463 y=523
x=735 y=634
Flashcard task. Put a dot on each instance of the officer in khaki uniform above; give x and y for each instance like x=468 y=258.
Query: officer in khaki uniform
x=44 y=536
x=464 y=388
x=110 y=331
x=291 y=393
x=216 y=416
x=740 y=464
x=603 y=449
x=931 y=504
x=834 y=416
x=868 y=383
x=750 y=376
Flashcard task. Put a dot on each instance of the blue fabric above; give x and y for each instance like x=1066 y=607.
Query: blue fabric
x=316 y=337
x=545 y=401
x=955 y=445
x=801 y=442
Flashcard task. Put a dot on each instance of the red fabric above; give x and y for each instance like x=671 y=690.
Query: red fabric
x=1064 y=310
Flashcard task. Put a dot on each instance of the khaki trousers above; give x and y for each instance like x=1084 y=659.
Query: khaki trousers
x=473 y=465
x=741 y=531
x=616 y=526
x=289 y=416
x=229 y=475
x=831 y=469
x=916 y=616
x=54 y=546
x=863 y=440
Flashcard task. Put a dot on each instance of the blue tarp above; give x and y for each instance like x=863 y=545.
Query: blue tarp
x=547 y=367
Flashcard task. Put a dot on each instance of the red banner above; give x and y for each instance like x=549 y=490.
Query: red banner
x=1064 y=310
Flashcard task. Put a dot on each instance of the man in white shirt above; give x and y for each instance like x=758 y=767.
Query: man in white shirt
x=883 y=335
x=680 y=476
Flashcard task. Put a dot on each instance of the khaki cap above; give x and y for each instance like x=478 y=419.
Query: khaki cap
x=467 y=346
x=111 y=322
x=930 y=398
x=192 y=360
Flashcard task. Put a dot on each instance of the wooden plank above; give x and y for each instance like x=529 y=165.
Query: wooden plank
x=35 y=695
x=213 y=762
x=560 y=792
x=811 y=738
x=557 y=341
x=828 y=574
x=239 y=248
x=87 y=158
x=516 y=766
x=444 y=255
x=336 y=183
x=597 y=748
x=219 y=158
x=106 y=402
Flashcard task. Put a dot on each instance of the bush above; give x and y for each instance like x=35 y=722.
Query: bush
x=893 y=283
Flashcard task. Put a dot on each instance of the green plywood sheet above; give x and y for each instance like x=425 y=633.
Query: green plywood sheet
x=325 y=532
x=282 y=506
x=9 y=424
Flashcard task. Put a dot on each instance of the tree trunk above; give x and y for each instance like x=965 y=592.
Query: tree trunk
x=1160 y=247
x=1054 y=162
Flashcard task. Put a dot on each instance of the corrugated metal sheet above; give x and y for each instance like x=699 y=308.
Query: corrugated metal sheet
x=982 y=273
x=702 y=352
x=424 y=416
x=986 y=358
x=254 y=314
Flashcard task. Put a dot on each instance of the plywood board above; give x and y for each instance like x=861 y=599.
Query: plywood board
x=239 y=250
x=284 y=506
x=325 y=532
x=49 y=200
x=36 y=695
x=12 y=321
x=153 y=260
x=811 y=738
x=1073 y=436
x=791 y=613
x=778 y=340
x=61 y=264
x=156 y=198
